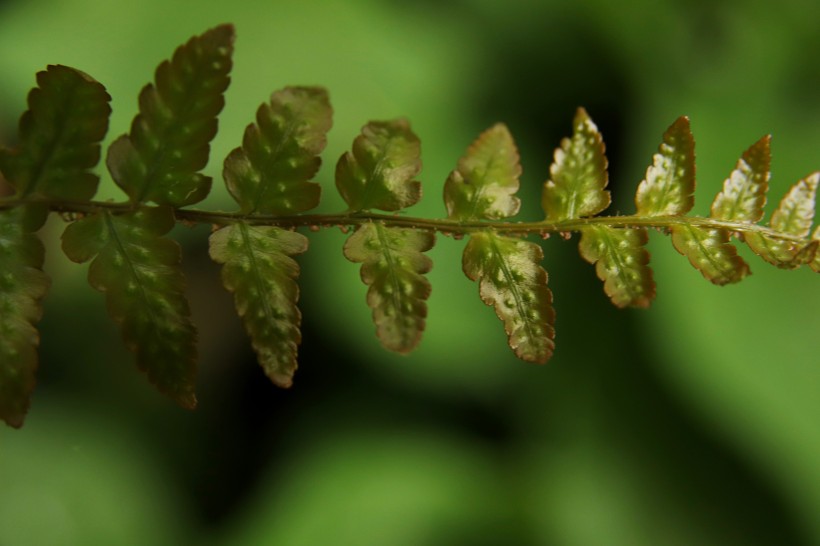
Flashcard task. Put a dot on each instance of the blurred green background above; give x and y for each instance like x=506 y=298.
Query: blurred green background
x=695 y=422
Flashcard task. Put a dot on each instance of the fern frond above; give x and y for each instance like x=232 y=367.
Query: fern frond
x=23 y=285
x=270 y=177
x=60 y=136
x=669 y=186
x=259 y=270
x=393 y=267
x=793 y=217
x=378 y=173
x=271 y=172
x=511 y=280
x=578 y=174
x=483 y=185
x=138 y=271
x=744 y=192
x=160 y=159
x=710 y=252
x=622 y=262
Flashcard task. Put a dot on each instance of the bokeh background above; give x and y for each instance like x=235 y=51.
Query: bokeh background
x=695 y=422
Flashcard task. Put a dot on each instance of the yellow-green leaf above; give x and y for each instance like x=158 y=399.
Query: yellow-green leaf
x=815 y=240
x=782 y=253
x=60 y=136
x=622 y=262
x=22 y=288
x=379 y=172
x=670 y=181
x=139 y=272
x=793 y=216
x=483 y=185
x=711 y=253
x=512 y=280
x=259 y=270
x=393 y=266
x=160 y=159
x=795 y=213
x=271 y=172
x=744 y=192
x=578 y=174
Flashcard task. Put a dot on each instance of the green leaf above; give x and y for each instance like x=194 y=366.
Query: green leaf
x=744 y=192
x=22 y=288
x=795 y=213
x=259 y=271
x=486 y=178
x=169 y=140
x=793 y=216
x=379 y=172
x=60 y=136
x=622 y=262
x=270 y=173
x=578 y=174
x=511 y=279
x=393 y=267
x=782 y=253
x=139 y=272
x=710 y=252
x=670 y=181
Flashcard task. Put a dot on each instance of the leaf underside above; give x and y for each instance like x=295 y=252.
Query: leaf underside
x=23 y=285
x=794 y=216
x=622 y=262
x=160 y=159
x=378 y=173
x=511 y=279
x=578 y=174
x=711 y=253
x=138 y=271
x=60 y=137
x=483 y=185
x=258 y=269
x=270 y=173
x=393 y=265
x=670 y=181
x=744 y=192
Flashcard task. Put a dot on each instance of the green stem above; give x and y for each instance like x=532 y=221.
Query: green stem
x=447 y=227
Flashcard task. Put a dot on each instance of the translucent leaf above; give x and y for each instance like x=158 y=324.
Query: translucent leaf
x=169 y=140
x=486 y=178
x=815 y=263
x=138 y=271
x=60 y=136
x=270 y=173
x=511 y=279
x=782 y=253
x=578 y=174
x=259 y=271
x=711 y=253
x=793 y=216
x=622 y=262
x=744 y=192
x=393 y=267
x=795 y=213
x=379 y=172
x=22 y=288
x=670 y=181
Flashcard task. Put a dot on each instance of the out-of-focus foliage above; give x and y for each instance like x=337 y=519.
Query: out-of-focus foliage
x=703 y=432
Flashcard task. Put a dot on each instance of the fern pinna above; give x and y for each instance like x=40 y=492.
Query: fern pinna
x=158 y=163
